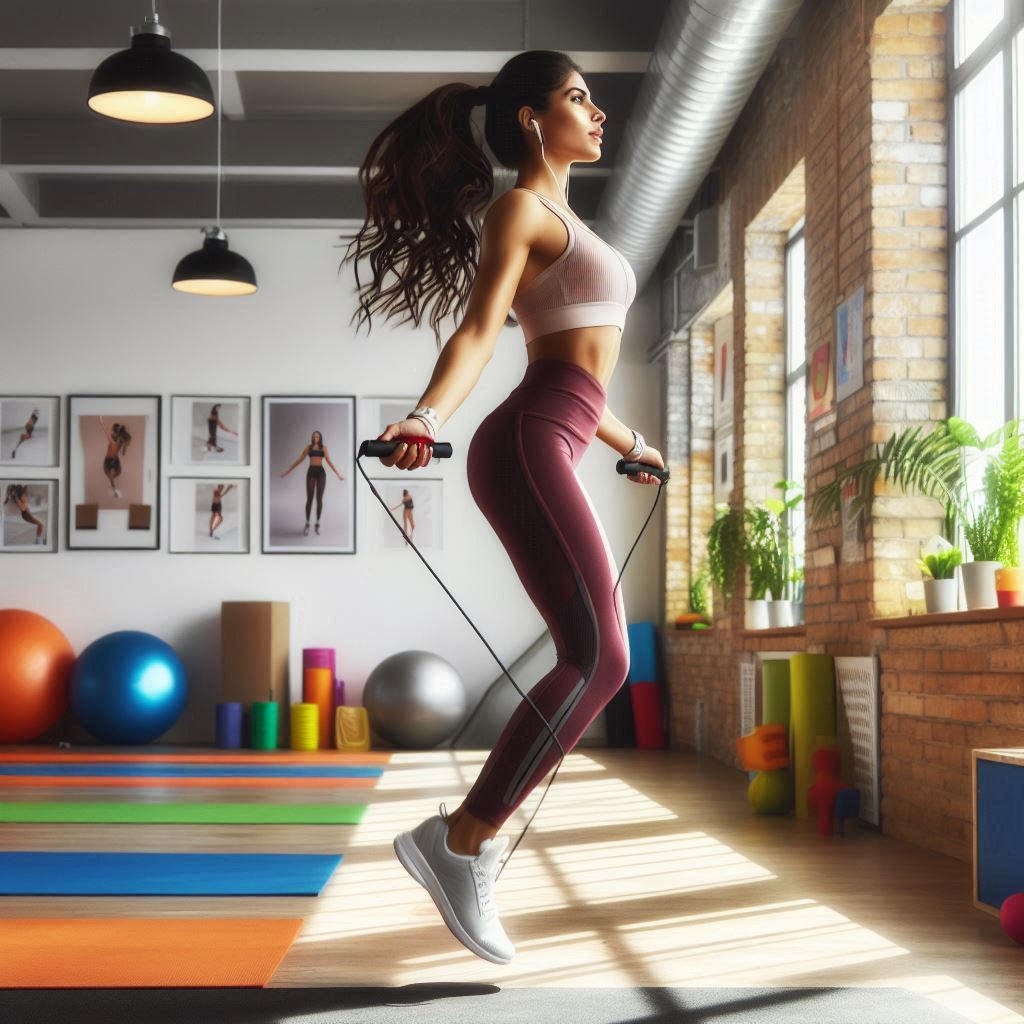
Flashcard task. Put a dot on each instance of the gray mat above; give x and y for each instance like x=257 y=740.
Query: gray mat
x=473 y=1004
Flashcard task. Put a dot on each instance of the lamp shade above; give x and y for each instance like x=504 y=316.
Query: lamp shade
x=150 y=83
x=214 y=269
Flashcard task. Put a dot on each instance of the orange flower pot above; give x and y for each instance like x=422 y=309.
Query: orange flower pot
x=1010 y=587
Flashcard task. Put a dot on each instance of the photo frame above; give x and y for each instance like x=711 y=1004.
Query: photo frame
x=416 y=504
x=29 y=431
x=724 y=448
x=849 y=369
x=29 y=516
x=375 y=413
x=820 y=381
x=304 y=511
x=209 y=515
x=210 y=430
x=113 y=475
x=723 y=376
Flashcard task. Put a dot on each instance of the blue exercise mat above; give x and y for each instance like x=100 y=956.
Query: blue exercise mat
x=35 y=873
x=195 y=771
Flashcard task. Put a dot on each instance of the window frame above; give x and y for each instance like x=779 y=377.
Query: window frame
x=794 y=377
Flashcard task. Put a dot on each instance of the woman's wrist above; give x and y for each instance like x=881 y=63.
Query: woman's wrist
x=428 y=417
x=638 y=447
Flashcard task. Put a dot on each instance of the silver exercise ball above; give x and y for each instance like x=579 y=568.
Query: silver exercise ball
x=415 y=700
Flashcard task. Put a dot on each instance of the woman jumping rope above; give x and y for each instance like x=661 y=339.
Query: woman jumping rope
x=407 y=519
x=118 y=440
x=30 y=425
x=316 y=475
x=18 y=494
x=216 y=518
x=213 y=421
x=569 y=291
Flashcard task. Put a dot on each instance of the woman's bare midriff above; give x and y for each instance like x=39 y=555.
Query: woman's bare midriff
x=596 y=349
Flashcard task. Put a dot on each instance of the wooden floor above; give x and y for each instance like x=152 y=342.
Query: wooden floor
x=642 y=868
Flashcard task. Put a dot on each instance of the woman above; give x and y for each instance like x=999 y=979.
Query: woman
x=30 y=425
x=216 y=518
x=407 y=504
x=569 y=291
x=18 y=494
x=118 y=440
x=316 y=476
x=213 y=421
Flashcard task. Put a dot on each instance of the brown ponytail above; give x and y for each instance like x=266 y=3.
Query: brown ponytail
x=426 y=183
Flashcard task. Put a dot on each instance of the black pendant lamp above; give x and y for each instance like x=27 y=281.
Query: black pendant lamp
x=150 y=83
x=215 y=269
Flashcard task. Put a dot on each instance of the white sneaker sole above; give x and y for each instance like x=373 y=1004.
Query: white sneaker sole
x=416 y=864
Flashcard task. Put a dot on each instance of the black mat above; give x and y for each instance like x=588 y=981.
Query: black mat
x=473 y=1004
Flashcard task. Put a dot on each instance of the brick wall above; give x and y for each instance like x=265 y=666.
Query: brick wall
x=855 y=101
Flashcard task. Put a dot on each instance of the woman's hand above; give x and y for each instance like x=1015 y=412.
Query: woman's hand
x=650 y=457
x=286 y=472
x=407 y=456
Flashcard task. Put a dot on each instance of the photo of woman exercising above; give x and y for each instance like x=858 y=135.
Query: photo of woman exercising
x=118 y=440
x=30 y=425
x=316 y=476
x=213 y=421
x=408 y=525
x=216 y=515
x=18 y=495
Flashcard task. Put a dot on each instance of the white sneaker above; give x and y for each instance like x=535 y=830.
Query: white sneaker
x=460 y=885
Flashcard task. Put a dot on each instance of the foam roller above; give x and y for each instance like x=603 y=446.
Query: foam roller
x=812 y=715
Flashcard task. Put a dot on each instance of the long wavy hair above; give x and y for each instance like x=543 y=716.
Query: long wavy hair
x=426 y=182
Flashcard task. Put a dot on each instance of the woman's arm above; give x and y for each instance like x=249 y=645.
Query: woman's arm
x=297 y=461
x=327 y=459
x=511 y=225
x=615 y=433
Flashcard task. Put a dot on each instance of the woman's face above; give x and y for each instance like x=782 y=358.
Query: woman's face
x=570 y=121
x=317 y=438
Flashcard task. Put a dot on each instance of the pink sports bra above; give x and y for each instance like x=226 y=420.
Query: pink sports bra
x=589 y=285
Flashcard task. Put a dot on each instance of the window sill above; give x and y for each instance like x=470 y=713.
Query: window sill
x=948 y=618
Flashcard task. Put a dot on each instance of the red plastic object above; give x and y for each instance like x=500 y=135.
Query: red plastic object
x=766 y=749
x=35 y=662
x=647 y=715
x=821 y=794
x=1011 y=917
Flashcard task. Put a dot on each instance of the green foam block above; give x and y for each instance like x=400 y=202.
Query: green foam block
x=186 y=813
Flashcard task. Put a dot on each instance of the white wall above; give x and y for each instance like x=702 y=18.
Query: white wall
x=92 y=311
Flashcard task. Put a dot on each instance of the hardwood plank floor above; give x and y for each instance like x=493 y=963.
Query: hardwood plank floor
x=642 y=868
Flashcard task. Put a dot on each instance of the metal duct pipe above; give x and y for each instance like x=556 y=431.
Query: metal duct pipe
x=709 y=56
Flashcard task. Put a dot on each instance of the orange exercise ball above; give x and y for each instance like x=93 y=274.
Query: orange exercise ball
x=35 y=664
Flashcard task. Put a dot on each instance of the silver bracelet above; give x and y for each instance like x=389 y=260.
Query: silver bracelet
x=638 y=447
x=428 y=416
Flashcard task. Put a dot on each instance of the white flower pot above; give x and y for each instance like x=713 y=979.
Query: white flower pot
x=756 y=616
x=980 y=584
x=780 y=613
x=941 y=595
x=798 y=613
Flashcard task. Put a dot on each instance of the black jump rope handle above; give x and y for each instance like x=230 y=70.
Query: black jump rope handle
x=443 y=450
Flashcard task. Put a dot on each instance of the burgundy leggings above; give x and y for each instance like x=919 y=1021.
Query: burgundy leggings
x=522 y=474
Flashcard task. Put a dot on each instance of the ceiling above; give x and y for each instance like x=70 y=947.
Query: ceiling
x=306 y=86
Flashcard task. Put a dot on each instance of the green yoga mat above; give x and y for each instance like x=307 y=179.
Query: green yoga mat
x=812 y=718
x=186 y=813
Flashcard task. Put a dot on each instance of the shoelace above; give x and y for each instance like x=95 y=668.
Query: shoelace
x=484 y=886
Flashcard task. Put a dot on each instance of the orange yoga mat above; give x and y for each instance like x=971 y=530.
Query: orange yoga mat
x=256 y=756
x=133 y=952
x=176 y=782
x=318 y=689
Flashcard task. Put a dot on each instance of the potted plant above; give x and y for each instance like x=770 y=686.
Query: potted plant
x=782 y=559
x=940 y=590
x=797 y=590
x=760 y=554
x=698 y=612
x=725 y=547
x=942 y=465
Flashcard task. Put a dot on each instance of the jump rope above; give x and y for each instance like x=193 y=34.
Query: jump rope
x=443 y=450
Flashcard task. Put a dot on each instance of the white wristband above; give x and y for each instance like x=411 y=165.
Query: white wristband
x=638 y=447
x=428 y=416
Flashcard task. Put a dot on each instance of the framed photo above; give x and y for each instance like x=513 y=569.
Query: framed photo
x=308 y=476
x=113 y=483
x=723 y=372
x=375 y=414
x=210 y=430
x=29 y=523
x=850 y=345
x=415 y=505
x=29 y=430
x=723 y=466
x=209 y=515
x=820 y=382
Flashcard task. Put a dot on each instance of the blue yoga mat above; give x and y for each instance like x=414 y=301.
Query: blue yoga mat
x=195 y=771
x=35 y=873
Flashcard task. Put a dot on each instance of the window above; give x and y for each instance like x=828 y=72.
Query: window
x=796 y=386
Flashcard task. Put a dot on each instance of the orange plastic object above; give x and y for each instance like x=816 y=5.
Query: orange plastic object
x=159 y=952
x=766 y=749
x=35 y=662
x=318 y=689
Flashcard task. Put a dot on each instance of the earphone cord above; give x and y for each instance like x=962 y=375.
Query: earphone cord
x=525 y=696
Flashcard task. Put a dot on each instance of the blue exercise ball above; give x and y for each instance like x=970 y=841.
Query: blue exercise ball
x=128 y=687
